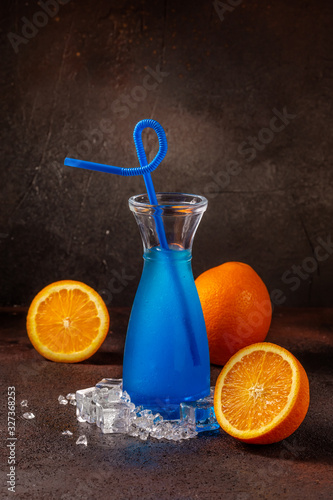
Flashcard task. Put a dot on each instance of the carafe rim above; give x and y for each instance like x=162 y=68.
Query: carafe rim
x=169 y=203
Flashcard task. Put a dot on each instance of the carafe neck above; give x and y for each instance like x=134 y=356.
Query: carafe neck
x=180 y=215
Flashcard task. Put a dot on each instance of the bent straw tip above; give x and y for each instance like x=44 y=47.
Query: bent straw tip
x=70 y=162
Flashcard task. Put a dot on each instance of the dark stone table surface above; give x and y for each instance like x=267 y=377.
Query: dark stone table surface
x=211 y=466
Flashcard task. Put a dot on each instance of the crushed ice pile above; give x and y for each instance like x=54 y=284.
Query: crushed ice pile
x=111 y=409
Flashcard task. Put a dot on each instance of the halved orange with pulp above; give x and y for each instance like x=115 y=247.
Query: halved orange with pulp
x=262 y=394
x=67 y=321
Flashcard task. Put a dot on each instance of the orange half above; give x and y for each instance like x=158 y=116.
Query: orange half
x=67 y=321
x=262 y=394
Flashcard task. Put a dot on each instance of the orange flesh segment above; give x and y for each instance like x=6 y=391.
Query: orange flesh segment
x=255 y=390
x=67 y=321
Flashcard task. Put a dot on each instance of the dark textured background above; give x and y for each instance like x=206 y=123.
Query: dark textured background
x=61 y=96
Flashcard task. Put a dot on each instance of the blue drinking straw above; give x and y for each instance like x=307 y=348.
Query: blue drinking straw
x=144 y=169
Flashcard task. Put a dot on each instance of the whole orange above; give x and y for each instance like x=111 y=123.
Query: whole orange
x=236 y=307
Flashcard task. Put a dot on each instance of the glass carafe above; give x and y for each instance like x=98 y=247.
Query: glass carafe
x=166 y=357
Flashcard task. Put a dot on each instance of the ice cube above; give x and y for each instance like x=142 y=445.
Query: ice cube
x=143 y=434
x=82 y=440
x=169 y=428
x=67 y=433
x=144 y=413
x=175 y=434
x=62 y=400
x=143 y=423
x=187 y=431
x=158 y=428
x=199 y=415
x=158 y=431
x=71 y=396
x=85 y=406
x=157 y=419
x=107 y=395
x=110 y=382
x=113 y=417
x=133 y=430
x=72 y=402
x=100 y=395
x=24 y=402
x=28 y=415
x=140 y=426
x=115 y=394
x=132 y=407
x=125 y=397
